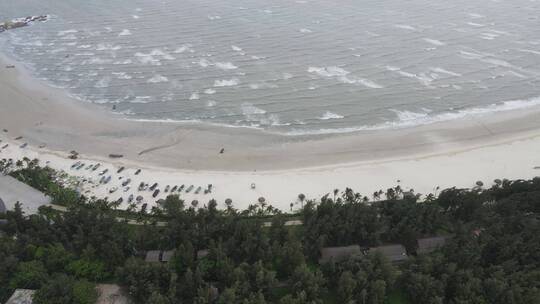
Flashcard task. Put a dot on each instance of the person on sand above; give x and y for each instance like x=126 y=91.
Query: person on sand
x=222 y=150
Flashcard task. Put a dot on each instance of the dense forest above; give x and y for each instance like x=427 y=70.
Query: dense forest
x=492 y=253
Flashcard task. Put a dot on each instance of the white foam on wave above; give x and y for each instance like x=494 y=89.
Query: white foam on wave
x=258 y=117
x=183 y=48
x=305 y=31
x=405 y=27
x=262 y=85
x=209 y=91
x=443 y=71
x=476 y=16
x=225 y=65
x=103 y=82
x=194 y=96
x=125 y=61
x=157 y=79
x=211 y=103
x=406 y=119
x=154 y=57
x=203 y=63
x=213 y=17
x=475 y=24
x=107 y=47
x=529 y=51
x=84 y=46
x=330 y=115
x=63 y=33
x=332 y=71
x=69 y=37
x=423 y=78
x=141 y=99
x=96 y=60
x=250 y=109
x=226 y=82
x=489 y=36
x=343 y=76
x=135 y=16
x=121 y=75
x=434 y=42
x=236 y=48
x=125 y=32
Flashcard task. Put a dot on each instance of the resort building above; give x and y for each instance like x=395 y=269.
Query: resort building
x=154 y=256
x=21 y=296
x=395 y=253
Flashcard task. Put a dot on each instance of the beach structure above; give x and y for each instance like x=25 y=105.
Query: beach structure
x=155 y=256
x=427 y=245
x=394 y=253
x=2 y=206
x=338 y=254
x=21 y=296
x=13 y=191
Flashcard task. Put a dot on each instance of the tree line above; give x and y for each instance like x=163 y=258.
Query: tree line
x=492 y=254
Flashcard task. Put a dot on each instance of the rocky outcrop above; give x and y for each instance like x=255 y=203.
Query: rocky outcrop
x=21 y=22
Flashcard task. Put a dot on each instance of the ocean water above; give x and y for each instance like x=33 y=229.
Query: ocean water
x=286 y=66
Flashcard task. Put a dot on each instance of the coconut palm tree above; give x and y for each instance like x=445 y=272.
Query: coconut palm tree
x=301 y=197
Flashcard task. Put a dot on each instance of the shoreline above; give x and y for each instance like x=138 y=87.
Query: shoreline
x=452 y=153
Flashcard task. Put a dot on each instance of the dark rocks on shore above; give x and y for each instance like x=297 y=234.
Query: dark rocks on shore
x=21 y=22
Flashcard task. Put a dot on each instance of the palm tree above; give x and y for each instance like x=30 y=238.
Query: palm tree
x=302 y=197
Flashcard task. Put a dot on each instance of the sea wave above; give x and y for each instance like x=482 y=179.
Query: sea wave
x=157 y=79
x=225 y=65
x=407 y=119
x=226 y=82
x=329 y=115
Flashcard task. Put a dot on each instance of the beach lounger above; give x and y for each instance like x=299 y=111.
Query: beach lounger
x=126 y=182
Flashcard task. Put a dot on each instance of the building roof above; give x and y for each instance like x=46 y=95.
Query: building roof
x=166 y=256
x=394 y=253
x=159 y=256
x=13 y=191
x=338 y=254
x=152 y=256
x=21 y=296
x=426 y=245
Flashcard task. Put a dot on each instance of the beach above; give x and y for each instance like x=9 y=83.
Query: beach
x=445 y=154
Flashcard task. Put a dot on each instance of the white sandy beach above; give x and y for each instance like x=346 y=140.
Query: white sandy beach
x=446 y=154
